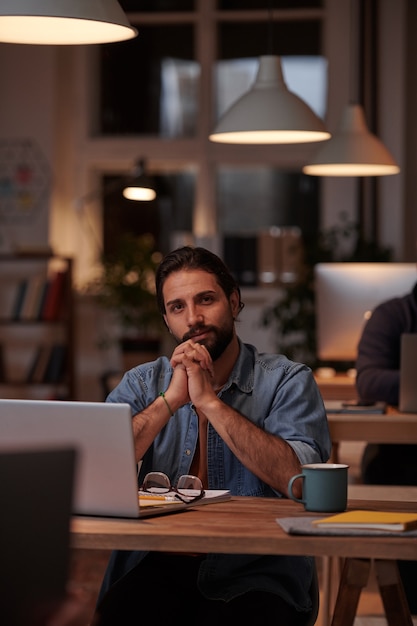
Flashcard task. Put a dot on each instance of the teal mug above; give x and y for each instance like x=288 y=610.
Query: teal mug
x=324 y=488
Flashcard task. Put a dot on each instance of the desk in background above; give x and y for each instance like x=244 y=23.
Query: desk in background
x=337 y=387
x=389 y=427
x=248 y=525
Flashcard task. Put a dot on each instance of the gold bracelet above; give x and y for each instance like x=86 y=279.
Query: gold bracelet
x=171 y=412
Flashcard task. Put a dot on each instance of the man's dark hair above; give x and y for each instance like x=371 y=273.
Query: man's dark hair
x=190 y=258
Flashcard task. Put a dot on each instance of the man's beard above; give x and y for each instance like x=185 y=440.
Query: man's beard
x=217 y=345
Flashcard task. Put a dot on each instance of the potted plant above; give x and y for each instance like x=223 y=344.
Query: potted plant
x=126 y=286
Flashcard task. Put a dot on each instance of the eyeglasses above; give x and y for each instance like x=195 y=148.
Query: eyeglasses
x=189 y=488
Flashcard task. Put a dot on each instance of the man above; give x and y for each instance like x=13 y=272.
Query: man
x=237 y=419
x=378 y=379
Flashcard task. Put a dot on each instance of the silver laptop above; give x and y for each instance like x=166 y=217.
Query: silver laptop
x=408 y=373
x=106 y=472
x=106 y=477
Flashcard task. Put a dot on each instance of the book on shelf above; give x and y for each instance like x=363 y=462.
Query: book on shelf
x=55 y=367
x=37 y=367
x=31 y=300
x=376 y=520
x=54 y=297
x=33 y=364
x=41 y=300
x=48 y=364
x=19 y=299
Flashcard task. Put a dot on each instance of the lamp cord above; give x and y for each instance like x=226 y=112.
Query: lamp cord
x=270 y=37
x=354 y=53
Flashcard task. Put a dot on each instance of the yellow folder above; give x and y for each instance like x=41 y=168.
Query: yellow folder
x=382 y=520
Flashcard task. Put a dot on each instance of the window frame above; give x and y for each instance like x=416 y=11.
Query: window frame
x=92 y=155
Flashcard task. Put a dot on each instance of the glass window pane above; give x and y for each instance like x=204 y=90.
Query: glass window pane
x=250 y=198
x=149 y=84
x=170 y=212
x=253 y=39
x=254 y=200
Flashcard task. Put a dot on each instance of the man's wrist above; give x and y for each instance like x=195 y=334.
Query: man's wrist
x=167 y=404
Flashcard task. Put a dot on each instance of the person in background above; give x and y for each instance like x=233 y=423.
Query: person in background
x=378 y=379
x=238 y=420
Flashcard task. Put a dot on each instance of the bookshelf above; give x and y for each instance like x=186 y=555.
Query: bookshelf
x=36 y=326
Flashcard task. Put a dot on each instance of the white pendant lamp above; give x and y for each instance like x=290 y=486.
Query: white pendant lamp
x=352 y=151
x=63 y=22
x=139 y=188
x=269 y=113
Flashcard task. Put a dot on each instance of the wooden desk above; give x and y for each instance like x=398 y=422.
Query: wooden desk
x=338 y=387
x=332 y=566
x=396 y=493
x=389 y=427
x=248 y=525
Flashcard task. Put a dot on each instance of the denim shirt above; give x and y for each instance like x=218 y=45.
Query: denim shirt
x=278 y=395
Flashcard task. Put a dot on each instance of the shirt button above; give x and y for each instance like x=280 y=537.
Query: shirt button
x=188 y=452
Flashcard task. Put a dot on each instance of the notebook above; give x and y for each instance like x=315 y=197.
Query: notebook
x=354 y=407
x=106 y=481
x=36 y=494
x=408 y=373
x=380 y=520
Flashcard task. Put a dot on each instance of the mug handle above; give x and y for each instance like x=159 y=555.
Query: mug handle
x=290 y=484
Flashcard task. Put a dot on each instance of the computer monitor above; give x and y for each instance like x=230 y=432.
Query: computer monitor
x=346 y=294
